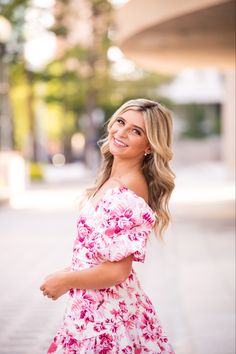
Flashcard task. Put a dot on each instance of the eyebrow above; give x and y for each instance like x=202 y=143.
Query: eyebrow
x=136 y=126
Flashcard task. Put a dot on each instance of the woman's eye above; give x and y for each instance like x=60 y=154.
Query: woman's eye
x=120 y=121
x=136 y=131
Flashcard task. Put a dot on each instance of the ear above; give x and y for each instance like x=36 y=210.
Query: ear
x=148 y=151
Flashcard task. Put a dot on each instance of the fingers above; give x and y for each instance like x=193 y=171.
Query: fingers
x=46 y=293
x=47 y=290
x=50 y=296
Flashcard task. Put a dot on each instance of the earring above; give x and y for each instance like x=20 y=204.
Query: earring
x=145 y=154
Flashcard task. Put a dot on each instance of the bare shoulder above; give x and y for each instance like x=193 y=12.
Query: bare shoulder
x=138 y=185
x=114 y=182
x=110 y=183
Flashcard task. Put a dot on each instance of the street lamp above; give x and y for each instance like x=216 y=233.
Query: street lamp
x=5 y=117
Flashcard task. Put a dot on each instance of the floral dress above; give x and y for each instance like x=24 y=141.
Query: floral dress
x=120 y=319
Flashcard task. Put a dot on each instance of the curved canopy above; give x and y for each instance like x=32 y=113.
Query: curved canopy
x=171 y=35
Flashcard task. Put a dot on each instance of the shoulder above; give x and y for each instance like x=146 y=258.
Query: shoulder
x=114 y=182
x=138 y=185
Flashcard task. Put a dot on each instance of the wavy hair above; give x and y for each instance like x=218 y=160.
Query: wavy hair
x=155 y=166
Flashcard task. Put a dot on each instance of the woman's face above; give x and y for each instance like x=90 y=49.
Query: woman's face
x=127 y=136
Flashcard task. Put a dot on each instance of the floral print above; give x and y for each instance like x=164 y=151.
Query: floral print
x=119 y=319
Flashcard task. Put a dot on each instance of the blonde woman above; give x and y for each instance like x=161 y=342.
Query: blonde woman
x=107 y=311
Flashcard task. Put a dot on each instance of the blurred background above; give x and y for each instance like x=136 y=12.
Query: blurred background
x=65 y=67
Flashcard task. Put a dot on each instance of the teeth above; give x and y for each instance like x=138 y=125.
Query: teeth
x=119 y=143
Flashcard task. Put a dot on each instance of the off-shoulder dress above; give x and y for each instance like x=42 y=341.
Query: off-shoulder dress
x=120 y=319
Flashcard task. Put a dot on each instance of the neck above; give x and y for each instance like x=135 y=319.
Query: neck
x=124 y=168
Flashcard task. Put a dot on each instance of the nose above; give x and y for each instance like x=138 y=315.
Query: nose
x=122 y=131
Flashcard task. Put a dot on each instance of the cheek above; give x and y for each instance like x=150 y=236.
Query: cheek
x=138 y=142
x=112 y=130
x=110 y=134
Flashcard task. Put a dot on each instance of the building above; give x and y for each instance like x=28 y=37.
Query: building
x=170 y=36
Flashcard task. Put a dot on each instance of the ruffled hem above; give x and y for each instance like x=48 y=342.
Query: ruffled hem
x=121 y=342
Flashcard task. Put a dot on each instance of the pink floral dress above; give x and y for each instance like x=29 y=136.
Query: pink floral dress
x=119 y=319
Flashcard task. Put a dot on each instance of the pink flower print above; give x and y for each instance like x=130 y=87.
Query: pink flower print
x=106 y=340
x=137 y=351
x=114 y=327
x=125 y=223
x=82 y=220
x=130 y=291
x=104 y=351
x=80 y=328
x=89 y=244
x=52 y=348
x=117 y=229
x=134 y=236
x=110 y=226
x=127 y=350
x=123 y=306
x=89 y=255
x=82 y=226
x=101 y=308
x=83 y=231
x=115 y=313
x=99 y=327
x=120 y=318
x=87 y=316
x=113 y=293
x=89 y=298
x=109 y=232
x=71 y=342
x=128 y=213
x=148 y=218
x=130 y=322
x=76 y=305
x=166 y=347
x=159 y=330
x=148 y=327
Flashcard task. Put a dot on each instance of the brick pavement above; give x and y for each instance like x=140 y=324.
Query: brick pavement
x=189 y=277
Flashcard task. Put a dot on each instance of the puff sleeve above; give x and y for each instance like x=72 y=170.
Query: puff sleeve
x=126 y=223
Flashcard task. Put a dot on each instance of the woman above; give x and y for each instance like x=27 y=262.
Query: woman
x=107 y=310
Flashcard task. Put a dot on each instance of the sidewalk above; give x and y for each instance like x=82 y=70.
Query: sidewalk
x=189 y=277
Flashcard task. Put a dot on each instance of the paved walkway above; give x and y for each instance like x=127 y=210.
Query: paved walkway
x=189 y=277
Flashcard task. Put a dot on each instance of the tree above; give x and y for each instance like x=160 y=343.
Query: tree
x=15 y=11
x=79 y=81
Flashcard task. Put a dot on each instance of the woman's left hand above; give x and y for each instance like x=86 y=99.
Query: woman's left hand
x=55 y=285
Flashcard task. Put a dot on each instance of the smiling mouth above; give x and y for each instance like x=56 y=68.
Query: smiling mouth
x=119 y=143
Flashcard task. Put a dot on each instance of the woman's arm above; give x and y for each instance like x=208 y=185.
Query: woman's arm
x=102 y=276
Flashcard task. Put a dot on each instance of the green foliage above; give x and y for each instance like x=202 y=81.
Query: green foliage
x=201 y=121
x=36 y=171
x=10 y=8
x=77 y=81
x=60 y=30
x=20 y=114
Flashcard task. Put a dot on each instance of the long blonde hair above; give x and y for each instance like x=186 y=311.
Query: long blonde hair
x=155 y=166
